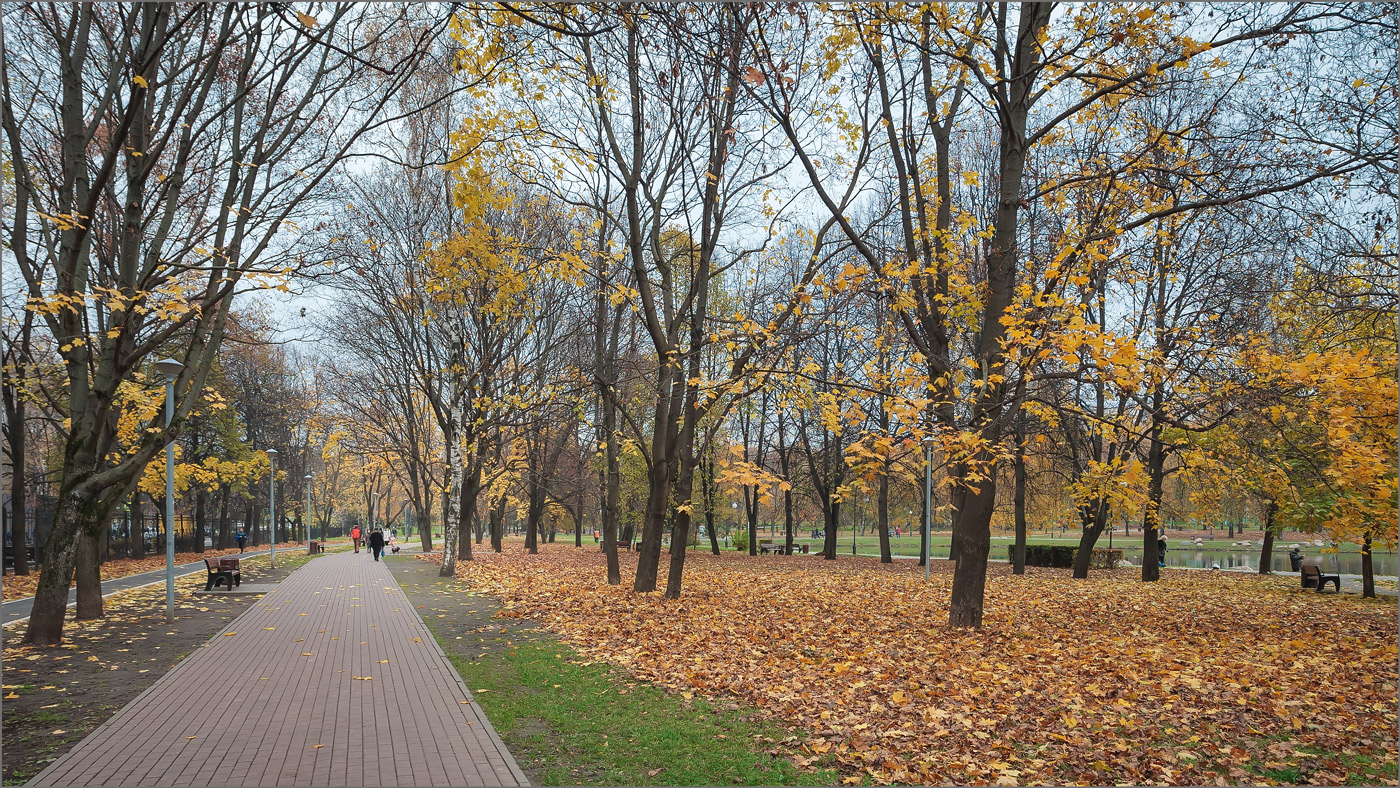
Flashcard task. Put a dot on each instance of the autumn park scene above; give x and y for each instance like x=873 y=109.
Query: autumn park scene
x=700 y=393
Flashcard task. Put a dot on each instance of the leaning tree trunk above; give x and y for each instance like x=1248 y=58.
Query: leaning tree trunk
x=1093 y=529
x=751 y=514
x=89 y=576
x=680 y=531
x=50 y=604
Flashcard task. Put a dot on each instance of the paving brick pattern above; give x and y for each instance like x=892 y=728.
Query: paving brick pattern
x=251 y=707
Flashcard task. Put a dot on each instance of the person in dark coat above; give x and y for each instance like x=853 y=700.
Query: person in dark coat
x=241 y=538
x=376 y=543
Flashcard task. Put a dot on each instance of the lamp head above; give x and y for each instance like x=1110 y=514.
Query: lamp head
x=271 y=453
x=170 y=368
x=927 y=441
x=308 y=477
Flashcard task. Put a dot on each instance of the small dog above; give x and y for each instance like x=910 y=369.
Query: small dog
x=394 y=549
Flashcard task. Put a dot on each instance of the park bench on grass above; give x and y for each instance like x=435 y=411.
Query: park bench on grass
x=765 y=545
x=222 y=570
x=1314 y=578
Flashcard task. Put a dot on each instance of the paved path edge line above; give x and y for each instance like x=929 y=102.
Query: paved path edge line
x=452 y=669
x=121 y=713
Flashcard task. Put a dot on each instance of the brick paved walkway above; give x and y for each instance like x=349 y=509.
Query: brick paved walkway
x=251 y=708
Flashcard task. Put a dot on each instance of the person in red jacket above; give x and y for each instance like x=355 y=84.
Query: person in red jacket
x=355 y=537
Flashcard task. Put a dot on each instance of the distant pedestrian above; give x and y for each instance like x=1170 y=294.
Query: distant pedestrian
x=241 y=538
x=596 y=535
x=1295 y=559
x=1162 y=551
x=355 y=537
x=376 y=543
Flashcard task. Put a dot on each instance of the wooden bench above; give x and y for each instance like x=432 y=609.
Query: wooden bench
x=222 y=570
x=1314 y=578
x=765 y=546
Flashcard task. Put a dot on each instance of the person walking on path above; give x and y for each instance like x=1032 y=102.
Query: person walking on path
x=355 y=537
x=376 y=543
x=241 y=538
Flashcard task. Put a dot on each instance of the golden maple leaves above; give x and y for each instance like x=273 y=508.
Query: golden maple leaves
x=1098 y=681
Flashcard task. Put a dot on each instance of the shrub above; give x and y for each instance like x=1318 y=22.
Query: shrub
x=741 y=541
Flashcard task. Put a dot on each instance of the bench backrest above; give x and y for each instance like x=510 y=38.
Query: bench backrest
x=1310 y=569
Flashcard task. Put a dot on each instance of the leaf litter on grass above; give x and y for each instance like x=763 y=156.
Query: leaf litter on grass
x=1199 y=678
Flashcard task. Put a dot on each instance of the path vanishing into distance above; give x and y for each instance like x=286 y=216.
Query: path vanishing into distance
x=332 y=679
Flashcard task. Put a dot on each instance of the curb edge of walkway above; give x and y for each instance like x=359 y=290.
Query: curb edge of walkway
x=442 y=655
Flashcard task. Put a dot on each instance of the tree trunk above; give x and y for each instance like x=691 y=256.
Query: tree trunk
x=751 y=514
x=136 y=532
x=1093 y=529
x=56 y=573
x=88 y=573
x=649 y=557
x=925 y=536
x=788 y=523
x=1266 y=553
x=882 y=517
x=199 y=523
x=1018 y=560
x=973 y=531
x=1152 y=519
x=223 y=518
x=250 y=523
x=710 y=529
x=452 y=516
x=680 y=529
x=498 y=524
x=833 y=515
x=470 y=488
x=15 y=406
x=1368 y=572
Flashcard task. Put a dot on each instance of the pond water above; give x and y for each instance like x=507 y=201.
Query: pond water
x=1346 y=563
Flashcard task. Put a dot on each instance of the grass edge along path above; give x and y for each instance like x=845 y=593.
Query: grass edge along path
x=568 y=721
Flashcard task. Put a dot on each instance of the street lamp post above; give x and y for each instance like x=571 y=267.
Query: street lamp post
x=928 y=501
x=272 y=509
x=308 y=514
x=170 y=368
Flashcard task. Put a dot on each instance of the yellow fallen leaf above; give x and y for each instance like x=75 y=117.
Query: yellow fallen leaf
x=306 y=653
x=11 y=696
x=363 y=678
x=230 y=634
x=187 y=738
x=58 y=732
x=382 y=661
x=268 y=629
x=317 y=746
x=140 y=80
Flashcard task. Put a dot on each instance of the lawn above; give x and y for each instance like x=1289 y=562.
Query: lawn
x=1199 y=678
